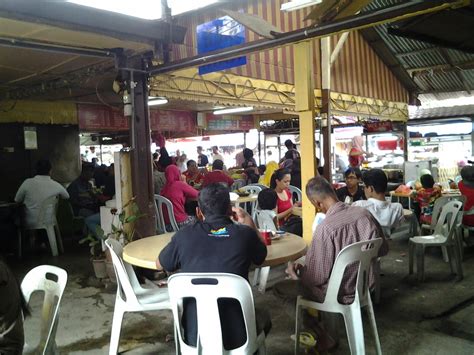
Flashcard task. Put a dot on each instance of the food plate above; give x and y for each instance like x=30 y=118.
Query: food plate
x=242 y=193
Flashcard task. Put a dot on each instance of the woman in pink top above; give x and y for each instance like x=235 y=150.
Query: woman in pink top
x=177 y=191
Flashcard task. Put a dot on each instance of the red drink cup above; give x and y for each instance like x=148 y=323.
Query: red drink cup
x=267 y=237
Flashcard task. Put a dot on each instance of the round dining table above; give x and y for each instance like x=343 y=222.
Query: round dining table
x=144 y=252
x=244 y=199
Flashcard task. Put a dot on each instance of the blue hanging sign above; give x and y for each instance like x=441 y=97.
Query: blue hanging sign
x=221 y=33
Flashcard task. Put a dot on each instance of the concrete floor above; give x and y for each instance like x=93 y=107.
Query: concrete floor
x=435 y=317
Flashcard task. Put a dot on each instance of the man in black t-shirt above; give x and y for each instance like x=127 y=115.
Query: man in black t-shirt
x=202 y=159
x=352 y=192
x=216 y=244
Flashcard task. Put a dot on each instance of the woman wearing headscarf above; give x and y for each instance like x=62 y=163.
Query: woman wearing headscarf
x=269 y=170
x=356 y=154
x=177 y=191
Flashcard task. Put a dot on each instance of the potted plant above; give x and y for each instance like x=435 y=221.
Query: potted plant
x=122 y=230
x=97 y=255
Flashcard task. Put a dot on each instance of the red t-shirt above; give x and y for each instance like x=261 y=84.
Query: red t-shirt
x=355 y=160
x=469 y=193
x=217 y=176
x=194 y=180
x=282 y=206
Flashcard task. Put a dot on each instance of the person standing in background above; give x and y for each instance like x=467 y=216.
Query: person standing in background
x=239 y=159
x=202 y=159
x=215 y=154
x=357 y=153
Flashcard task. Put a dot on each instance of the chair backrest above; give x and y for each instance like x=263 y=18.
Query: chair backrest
x=161 y=201
x=239 y=183
x=47 y=212
x=263 y=187
x=449 y=217
x=439 y=204
x=127 y=281
x=363 y=253
x=296 y=193
x=52 y=280
x=251 y=189
x=207 y=289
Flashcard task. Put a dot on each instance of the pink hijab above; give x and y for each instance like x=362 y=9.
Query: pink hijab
x=357 y=142
x=172 y=175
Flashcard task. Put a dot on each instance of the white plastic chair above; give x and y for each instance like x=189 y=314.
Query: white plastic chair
x=445 y=235
x=296 y=191
x=263 y=187
x=131 y=297
x=364 y=253
x=52 y=280
x=253 y=190
x=207 y=289
x=438 y=206
x=161 y=201
x=47 y=221
x=239 y=183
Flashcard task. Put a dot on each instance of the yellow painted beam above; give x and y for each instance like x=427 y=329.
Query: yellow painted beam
x=304 y=96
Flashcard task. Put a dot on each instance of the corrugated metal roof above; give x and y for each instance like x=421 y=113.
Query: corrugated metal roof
x=443 y=112
x=416 y=55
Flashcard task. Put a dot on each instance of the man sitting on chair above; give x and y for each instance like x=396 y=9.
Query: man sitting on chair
x=217 y=244
x=343 y=226
x=389 y=215
x=34 y=191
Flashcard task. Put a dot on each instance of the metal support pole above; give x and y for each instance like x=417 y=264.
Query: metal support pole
x=142 y=178
x=472 y=137
x=265 y=147
x=304 y=105
x=326 y=104
x=406 y=136
x=279 y=147
x=259 y=150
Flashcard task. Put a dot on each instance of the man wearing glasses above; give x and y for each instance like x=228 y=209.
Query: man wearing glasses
x=352 y=191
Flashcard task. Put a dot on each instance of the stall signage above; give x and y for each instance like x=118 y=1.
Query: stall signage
x=95 y=118
x=229 y=123
x=103 y=119
x=382 y=126
x=177 y=121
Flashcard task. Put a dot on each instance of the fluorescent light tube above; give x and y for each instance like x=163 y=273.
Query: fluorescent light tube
x=155 y=101
x=233 y=110
x=298 y=4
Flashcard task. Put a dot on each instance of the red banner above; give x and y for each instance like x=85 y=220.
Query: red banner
x=382 y=126
x=103 y=119
x=174 y=121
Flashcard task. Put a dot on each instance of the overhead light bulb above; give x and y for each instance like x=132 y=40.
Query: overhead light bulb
x=157 y=100
x=298 y=4
x=233 y=110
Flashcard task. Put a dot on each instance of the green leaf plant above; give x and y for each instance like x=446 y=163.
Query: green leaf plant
x=124 y=231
